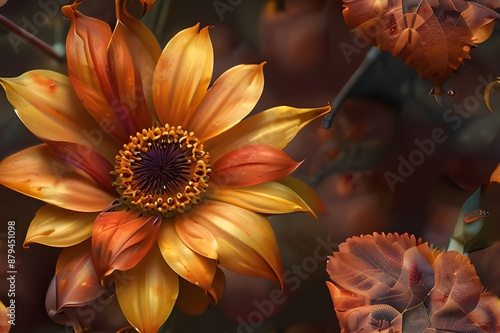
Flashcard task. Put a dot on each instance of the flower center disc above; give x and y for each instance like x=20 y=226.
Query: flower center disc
x=162 y=171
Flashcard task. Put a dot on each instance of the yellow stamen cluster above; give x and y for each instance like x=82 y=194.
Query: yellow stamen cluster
x=162 y=171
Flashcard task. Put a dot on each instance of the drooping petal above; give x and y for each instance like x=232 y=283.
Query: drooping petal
x=149 y=292
x=74 y=285
x=47 y=104
x=246 y=242
x=188 y=264
x=252 y=165
x=192 y=299
x=88 y=68
x=275 y=127
x=85 y=159
x=218 y=286
x=120 y=239
x=54 y=226
x=231 y=98
x=196 y=237
x=266 y=198
x=182 y=75
x=37 y=173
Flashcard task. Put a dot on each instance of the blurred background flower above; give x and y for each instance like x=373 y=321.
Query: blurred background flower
x=399 y=284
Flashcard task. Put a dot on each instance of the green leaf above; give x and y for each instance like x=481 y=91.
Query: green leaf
x=473 y=236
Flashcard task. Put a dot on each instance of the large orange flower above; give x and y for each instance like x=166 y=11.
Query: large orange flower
x=155 y=167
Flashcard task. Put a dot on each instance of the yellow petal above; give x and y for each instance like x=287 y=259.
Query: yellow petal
x=48 y=106
x=230 y=99
x=275 y=127
x=37 y=173
x=246 y=240
x=182 y=75
x=309 y=196
x=54 y=226
x=147 y=292
x=188 y=264
x=266 y=198
x=4 y=318
x=197 y=238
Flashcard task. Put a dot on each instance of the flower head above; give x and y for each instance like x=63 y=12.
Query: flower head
x=156 y=166
x=399 y=284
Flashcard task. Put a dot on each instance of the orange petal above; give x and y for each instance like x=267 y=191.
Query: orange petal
x=266 y=198
x=230 y=99
x=75 y=283
x=120 y=239
x=495 y=176
x=132 y=54
x=246 y=240
x=147 y=292
x=86 y=160
x=47 y=104
x=182 y=76
x=147 y=4
x=275 y=127
x=188 y=264
x=196 y=237
x=54 y=226
x=252 y=165
x=88 y=68
x=37 y=173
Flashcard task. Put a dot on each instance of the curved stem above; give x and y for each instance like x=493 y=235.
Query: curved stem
x=30 y=38
x=346 y=89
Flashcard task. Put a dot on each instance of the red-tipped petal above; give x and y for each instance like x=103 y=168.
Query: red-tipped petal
x=252 y=165
x=86 y=160
x=37 y=173
x=120 y=239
